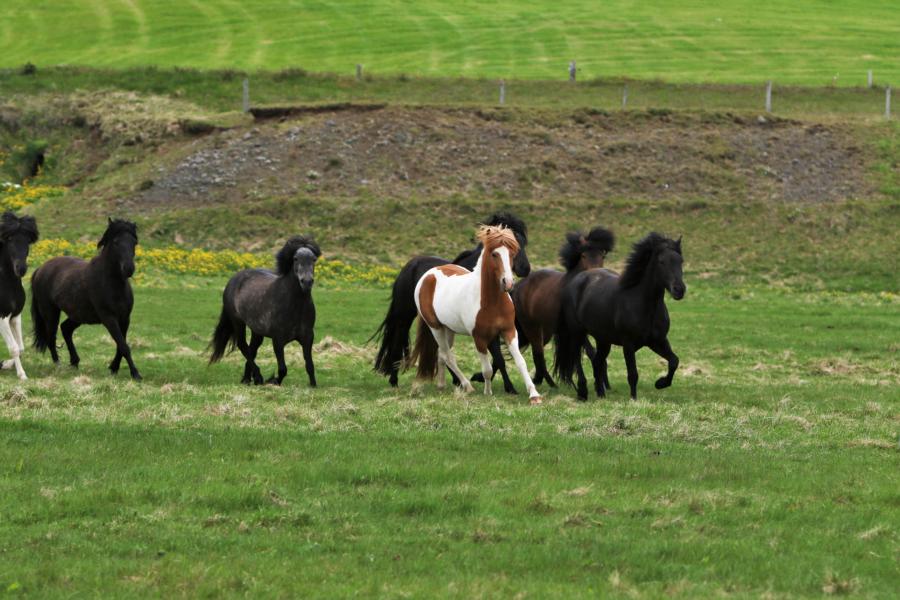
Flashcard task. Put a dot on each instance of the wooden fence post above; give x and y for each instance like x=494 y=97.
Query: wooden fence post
x=572 y=71
x=358 y=72
x=870 y=78
x=502 y=92
x=624 y=96
x=246 y=96
x=887 y=102
x=769 y=96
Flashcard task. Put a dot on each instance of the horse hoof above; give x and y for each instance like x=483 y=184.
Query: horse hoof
x=511 y=390
x=536 y=400
x=136 y=377
x=662 y=383
x=273 y=381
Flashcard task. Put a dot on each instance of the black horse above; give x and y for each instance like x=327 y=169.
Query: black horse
x=88 y=292
x=627 y=311
x=277 y=305
x=16 y=236
x=394 y=330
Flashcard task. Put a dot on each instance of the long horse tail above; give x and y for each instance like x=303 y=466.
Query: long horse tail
x=425 y=352
x=222 y=339
x=394 y=338
x=569 y=338
x=39 y=324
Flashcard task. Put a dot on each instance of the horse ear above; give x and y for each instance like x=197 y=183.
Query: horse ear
x=678 y=244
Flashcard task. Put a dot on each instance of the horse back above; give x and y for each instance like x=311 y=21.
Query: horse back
x=537 y=301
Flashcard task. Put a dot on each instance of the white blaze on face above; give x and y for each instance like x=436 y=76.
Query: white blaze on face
x=506 y=275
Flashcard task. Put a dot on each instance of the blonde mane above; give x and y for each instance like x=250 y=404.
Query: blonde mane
x=494 y=236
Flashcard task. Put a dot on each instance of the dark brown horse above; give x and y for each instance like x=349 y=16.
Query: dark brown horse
x=537 y=296
x=88 y=292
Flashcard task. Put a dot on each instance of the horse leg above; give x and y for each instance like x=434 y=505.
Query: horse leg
x=115 y=331
x=540 y=365
x=251 y=370
x=117 y=359
x=13 y=345
x=403 y=326
x=499 y=365
x=512 y=343
x=598 y=362
x=307 y=345
x=16 y=327
x=487 y=372
x=444 y=339
x=631 y=365
x=278 y=348
x=50 y=314
x=663 y=348
x=68 y=328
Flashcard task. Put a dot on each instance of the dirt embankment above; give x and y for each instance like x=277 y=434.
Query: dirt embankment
x=426 y=152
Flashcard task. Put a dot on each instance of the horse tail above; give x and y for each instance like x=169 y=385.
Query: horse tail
x=222 y=338
x=393 y=332
x=39 y=324
x=425 y=352
x=569 y=337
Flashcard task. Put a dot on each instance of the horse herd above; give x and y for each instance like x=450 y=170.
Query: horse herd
x=474 y=295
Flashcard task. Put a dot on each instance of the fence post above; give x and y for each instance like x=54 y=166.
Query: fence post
x=502 y=92
x=769 y=96
x=358 y=72
x=887 y=102
x=870 y=78
x=624 y=96
x=246 y=97
x=572 y=70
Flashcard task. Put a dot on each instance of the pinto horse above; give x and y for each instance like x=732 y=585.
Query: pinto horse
x=450 y=299
x=88 y=292
x=16 y=236
x=628 y=311
x=537 y=296
x=394 y=329
x=276 y=305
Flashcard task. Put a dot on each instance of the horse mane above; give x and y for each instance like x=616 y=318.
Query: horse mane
x=599 y=239
x=10 y=224
x=641 y=253
x=284 y=259
x=117 y=227
x=510 y=221
x=497 y=235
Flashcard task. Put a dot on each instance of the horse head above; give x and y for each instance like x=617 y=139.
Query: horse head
x=582 y=252
x=16 y=236
x=298 y=257
x=118 y=244
x=657 y=259
x=500 y=250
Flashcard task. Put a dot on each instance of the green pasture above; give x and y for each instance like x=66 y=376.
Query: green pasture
x=809 y=42
x=769 y=468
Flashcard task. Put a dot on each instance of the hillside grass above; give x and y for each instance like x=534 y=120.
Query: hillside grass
x=809 y=42
x=769 y=468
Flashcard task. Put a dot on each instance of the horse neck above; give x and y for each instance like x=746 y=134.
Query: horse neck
x=7 y=276
x=649 y=288
x=491 y=294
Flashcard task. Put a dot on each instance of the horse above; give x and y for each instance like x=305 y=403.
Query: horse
x=537 y=297
x=16 y=236
x=394 y=329
x=89 y=292
x=275 y=304
x=628 y=311
x=452 y=300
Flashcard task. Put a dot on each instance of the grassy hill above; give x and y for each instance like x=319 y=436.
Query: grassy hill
x=801 y=42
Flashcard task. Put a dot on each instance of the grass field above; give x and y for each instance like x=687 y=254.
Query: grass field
x=769 y=468
x=810 y=42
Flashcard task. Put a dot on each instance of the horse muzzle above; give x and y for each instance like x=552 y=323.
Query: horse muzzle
x=20 y=268
x=678 y=291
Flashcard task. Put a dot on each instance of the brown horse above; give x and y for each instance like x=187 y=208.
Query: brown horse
x=537 y=297
x=453 y=300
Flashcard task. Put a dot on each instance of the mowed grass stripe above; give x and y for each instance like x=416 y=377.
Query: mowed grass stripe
x=806 y=42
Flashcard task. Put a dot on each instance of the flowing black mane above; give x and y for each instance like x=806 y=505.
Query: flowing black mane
x=116 y=227
x=284 y=260
x=511 y=221
x=598 y=240
x=641 y=254
x=11 y=224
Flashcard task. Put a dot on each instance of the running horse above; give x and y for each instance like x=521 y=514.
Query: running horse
x=452 y=300
x=17 y=234
x=537 y=296
x=393 y=332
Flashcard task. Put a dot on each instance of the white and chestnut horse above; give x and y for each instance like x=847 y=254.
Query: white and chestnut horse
x=451 y=299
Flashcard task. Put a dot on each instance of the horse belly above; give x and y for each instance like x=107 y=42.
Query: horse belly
x=454 y=309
